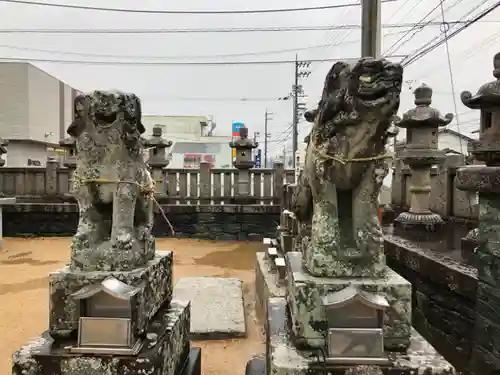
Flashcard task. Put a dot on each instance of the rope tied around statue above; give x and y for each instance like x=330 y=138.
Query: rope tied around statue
x=344 y=161
x=147 y=189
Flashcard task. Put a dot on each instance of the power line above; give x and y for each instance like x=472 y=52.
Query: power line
x=446 y=27
x=222 y=30
x=147 y=11
x=224 y=55
x=175 y=63
x=416 y=28
x=419 y=55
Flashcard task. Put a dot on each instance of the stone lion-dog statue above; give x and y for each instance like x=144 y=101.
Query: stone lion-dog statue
x=111 y=183
x=345 y=163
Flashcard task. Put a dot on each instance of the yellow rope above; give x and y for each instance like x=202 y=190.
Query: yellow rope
x=344 y=161
x=148 y=190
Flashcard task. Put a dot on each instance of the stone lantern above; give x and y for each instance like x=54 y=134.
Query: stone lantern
x=243 y=162
x=158 y=159
x=485 y=180
x=3 y=150
x=420 y=154
x=157 y=147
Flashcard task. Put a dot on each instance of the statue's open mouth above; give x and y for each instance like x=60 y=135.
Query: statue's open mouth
x=104 y=119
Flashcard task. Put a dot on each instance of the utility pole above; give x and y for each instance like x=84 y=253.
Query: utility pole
x=266 y=135
x=370 y=28
x=295 y=123
x=297 y=107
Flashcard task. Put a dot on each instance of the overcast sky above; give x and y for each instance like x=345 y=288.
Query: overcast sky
x=217 y=90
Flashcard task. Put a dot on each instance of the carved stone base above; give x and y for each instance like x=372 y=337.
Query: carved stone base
x=64 y=313
x=108 y=258
x=308 y=315
x=165 y=351
x=411 y=221
x=284 y=358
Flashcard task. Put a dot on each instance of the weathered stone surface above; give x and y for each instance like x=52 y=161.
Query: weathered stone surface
x=165 y=350
x=284 y=358
x=156 y=277
x=444 y=298
x=217 y=310
x=217 y=222
x=344 y=169
x=266 y=284
x=112 y=181
x=309 y=320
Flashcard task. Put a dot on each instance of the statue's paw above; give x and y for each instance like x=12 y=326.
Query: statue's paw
x=123 y=240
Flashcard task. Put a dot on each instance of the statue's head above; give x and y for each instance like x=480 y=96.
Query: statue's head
x=374 y=79
x=105 y=109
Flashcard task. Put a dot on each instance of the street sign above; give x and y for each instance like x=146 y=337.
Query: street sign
x=258 y=159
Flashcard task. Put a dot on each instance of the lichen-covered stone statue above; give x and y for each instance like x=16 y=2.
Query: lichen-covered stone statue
x=111 y=183
x=345 y=166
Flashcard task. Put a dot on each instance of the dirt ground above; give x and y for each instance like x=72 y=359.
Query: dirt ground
x=25 y=263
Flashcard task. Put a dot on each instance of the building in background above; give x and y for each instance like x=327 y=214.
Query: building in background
x=448 y=140
x=193 y=141
x=35 y=110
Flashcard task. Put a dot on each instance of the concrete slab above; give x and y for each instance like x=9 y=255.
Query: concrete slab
x=217 y=310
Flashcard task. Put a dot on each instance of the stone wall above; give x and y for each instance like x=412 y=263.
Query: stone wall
x=445 y=199
x=214 y=222
x=443 y=300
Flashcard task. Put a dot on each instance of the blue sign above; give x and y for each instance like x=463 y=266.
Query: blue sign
x=236 y=128
x=258 y=159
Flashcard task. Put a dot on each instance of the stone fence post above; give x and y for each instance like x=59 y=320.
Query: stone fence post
x=205 y=183
x=51 y=185
x=279 y=174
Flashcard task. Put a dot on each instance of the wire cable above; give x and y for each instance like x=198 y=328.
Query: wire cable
x=412 y=59
x=166 y=57
x=174 y=63
x=446 y=27
x=218 y=30
x=416 y=28
x=147 y=11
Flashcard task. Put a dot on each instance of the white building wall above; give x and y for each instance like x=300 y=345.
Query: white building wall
x=14 y=114
x=44 y=106
x=451 y=141
x=18 y=154
x=69 y=94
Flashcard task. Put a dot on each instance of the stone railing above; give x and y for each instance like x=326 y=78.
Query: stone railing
x=174 y=186
x=445 y=199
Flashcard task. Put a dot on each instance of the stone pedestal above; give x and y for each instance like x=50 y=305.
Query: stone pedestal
x=156 y=277
x=285 y=358
x=164 y=324
x=306 y=291
x=421 y=153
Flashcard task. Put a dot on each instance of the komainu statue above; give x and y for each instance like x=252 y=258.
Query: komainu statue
x=111 y=183
x=344 y=168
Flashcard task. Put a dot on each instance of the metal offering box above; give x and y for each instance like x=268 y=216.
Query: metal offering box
x=355 y=326
x=107 y=313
